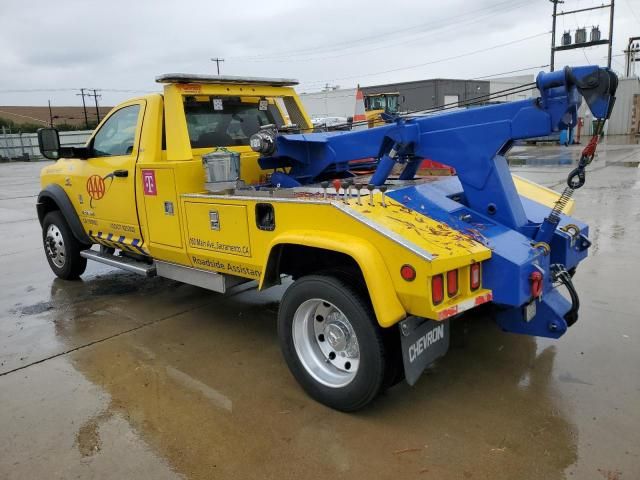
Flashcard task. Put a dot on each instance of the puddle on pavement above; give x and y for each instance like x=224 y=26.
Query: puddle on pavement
x=76 y=313
x=519 y=160
x=54 y=425
x=88 y=440
x=630 y=164
x=209 y=391
x=621 y=139
x=623 y=156
x=64 y=294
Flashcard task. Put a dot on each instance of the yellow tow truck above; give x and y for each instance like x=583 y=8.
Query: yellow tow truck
x=178 y=184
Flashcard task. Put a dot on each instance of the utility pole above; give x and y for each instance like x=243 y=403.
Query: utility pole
x=218 y=62
x=50 y=115
x=610 y=33
x=553 y=32
x=84 y=106
x=95 y=98
x=582 y=43
x=630 y=56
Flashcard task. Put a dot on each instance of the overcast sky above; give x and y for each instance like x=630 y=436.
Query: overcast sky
x=116 y=45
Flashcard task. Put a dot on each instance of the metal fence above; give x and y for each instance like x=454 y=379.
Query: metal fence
x=24 y=146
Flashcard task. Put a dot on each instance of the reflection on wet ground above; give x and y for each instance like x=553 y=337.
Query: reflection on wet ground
x=206 y=389
x=118 y=376
x=621 y=140
x=610 y=153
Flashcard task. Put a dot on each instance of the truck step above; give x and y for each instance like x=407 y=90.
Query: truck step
x=124 y=263
x=217 y=282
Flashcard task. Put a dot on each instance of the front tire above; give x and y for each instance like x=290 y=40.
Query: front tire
x=331 y=342
x=61 y=247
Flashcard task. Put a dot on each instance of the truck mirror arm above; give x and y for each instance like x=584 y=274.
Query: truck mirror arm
x=75 y=152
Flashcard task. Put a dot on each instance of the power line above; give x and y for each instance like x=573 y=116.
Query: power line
x=509 y=72
x=409 y=67
x=632 y=10
x=376 y=38
x=525 y=87
x=119 y=90
x=46 y=90
x=350 y=92
x=38 y=90
x=434 y=30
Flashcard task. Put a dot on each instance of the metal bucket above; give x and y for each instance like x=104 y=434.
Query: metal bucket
x=221 y=166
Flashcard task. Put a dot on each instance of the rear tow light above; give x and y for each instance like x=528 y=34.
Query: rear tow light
x=474 y=276
x=437 y=289
x=452 y=282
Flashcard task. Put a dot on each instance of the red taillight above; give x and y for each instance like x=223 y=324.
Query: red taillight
x=474 y=276
x=408 y=273
x=437 y=289
x=452 y=282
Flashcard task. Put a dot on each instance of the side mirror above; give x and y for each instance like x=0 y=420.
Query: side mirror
x=49 y=143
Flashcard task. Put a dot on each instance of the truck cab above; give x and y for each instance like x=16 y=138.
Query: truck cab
x=124 y=184
x=375 y=104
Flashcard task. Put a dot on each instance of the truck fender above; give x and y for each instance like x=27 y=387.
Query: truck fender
x=53 y=197
x=384 y=300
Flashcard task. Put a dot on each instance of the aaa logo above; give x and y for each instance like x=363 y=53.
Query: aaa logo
x=95 y=187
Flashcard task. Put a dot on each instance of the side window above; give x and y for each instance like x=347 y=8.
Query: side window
x=117 y=135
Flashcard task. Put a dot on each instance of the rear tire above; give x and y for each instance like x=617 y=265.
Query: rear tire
x=61 y=248
x=331 y=342
x=394 y=372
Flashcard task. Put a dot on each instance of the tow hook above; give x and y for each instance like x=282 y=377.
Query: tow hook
x=536 y=284
x=559 y=274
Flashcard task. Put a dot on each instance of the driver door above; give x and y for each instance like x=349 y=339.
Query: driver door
x=108 y=208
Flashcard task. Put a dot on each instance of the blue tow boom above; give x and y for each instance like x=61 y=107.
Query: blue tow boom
x=525 y=237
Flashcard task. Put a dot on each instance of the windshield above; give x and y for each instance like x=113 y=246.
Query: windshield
x=226 y=121
x=392 y=103
x=388 y=103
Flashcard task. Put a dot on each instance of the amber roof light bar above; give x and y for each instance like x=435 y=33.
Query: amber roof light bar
x=224 y=79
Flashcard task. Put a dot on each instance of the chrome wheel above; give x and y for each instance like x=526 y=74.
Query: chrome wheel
x=325 y=343
x=54 y=245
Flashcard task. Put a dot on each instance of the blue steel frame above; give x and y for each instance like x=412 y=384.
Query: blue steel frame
x=474 y=142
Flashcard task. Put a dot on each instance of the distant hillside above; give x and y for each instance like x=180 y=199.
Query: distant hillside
x=72 y=116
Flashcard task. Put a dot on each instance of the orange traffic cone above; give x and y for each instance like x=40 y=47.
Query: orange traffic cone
x=359 y=115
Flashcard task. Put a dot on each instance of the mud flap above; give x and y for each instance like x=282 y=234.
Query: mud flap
x=422 y=342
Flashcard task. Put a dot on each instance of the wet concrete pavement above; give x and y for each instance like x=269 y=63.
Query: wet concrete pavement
x=117 y=376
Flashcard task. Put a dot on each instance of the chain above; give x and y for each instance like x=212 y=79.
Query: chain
x=577 y=176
